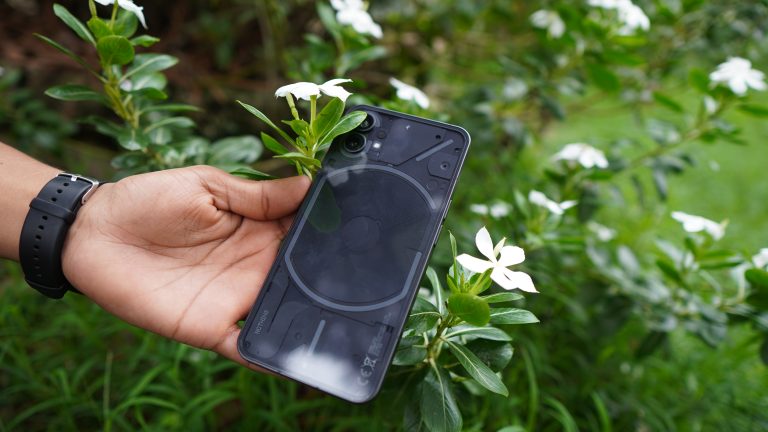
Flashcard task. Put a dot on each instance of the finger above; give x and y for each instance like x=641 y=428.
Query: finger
x=227 y=347
x=260 y=200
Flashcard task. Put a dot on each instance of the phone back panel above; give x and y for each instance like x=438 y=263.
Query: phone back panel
x=332 y=309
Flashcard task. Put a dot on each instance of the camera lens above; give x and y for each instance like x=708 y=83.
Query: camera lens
x=354 y=143
x=367 y=124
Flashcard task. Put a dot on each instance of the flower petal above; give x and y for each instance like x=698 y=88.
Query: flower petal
x=335 y=91
x=302 y=90
x=473 y=264
x=335 y=82
x=510 y=280
x=484 y=244
x=511 y=255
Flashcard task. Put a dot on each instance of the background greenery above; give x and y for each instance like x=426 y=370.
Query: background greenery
x=598 y=360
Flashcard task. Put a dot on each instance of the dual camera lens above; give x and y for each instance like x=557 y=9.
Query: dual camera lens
x=354 y=142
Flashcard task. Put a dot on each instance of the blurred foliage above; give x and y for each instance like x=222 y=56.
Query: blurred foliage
x=644 y=326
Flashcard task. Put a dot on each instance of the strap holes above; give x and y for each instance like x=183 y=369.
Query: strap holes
x=53 y=199
x=45 y=217
x=40 y=275
x=35 y=258
x=37 y=267
x=38 y=237
x=36 y=247
x=40 y=227
x=58 y=190
x=66 y=184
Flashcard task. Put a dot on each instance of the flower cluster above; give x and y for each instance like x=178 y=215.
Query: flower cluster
x=737 y=73
x=631 y=16
x=583 y=154
x=550 y=21
x=693 y=224
x=306 y=90
x=353 y=13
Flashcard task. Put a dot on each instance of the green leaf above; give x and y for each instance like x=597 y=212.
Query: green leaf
x=669 y=270
x=469 y=308
x=261 y=116
x=125 y=24
x=328 y=116
x=495 y=354
x=272 y=144
x=490 y=333
x=171 y=108
x=436 y=289
x=437 y=403
x=145 y=64
x=78 y=27
x=668 y=102
x=512 y=316
x=69 y=54
x=299 y=127
x=178 y=122
x=144 y=41
x=757 y=278
x=602 y=77
x=477 y=369
x=502 y=297
x=115 y=50
x=99 y=27
x=298 y=157
x=754 y=110
x=423 y=316
x=240 y=149
x=73 y=92
x=150 y=93
x=104 y=126
x=251 y=174
x=699 y=80
x=131 y=140
x=345 y=124
x=410 y=351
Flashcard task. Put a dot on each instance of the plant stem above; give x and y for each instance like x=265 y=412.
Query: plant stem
x=292 y=105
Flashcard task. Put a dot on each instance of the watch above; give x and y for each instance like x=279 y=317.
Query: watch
x=50 y=215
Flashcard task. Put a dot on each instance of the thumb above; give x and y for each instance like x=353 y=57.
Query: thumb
x=259 y=200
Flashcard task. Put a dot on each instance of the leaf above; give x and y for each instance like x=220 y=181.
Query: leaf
x=410 y=351
x=298 y=157
x=602 y=77
x=73 y=92
x=178 y=122
x=650 y=343
x=171 y=108
x=699 y=80
x=757 y=278
x=502 y=297
x=668 y=102
x=272 y=144
x=144 y=41
x=490 y=333
x=436 y=289
x=299 y=127
x=660 y=182
x=261 y=116
x=78 y=27
x=469 y=308
x=328 y=116
x=251 y=174
x=669 y=270
x=99 y=27
x=754 y=110
x=150 y=93
x=125 y=24
x=130 y=140
x=512 y=316
x=477 y=369
x=345 y=124
x=495 y=354
x=69 y=54
x=145 y=64
x=240 y=149
x=423 y=316
x=437 y=403
x=115 y=50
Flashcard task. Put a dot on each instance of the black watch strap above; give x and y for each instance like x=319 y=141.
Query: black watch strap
x=42 y=237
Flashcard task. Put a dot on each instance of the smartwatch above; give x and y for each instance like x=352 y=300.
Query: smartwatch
x=45 y=228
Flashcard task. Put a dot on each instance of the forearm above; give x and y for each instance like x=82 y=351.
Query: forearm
x=21 y=178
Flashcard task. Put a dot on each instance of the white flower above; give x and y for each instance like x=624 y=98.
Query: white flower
x=693 y=224
x=508 y=255
x=304 y=90
x=538 y=198
x=761 y=259
x=586 y=155
x=128 y=5
x=602 y=232
x=353 y=13
x=630 y=15
x=410 y=93
x=550 y=21
x=497 y=210
x=738 y=75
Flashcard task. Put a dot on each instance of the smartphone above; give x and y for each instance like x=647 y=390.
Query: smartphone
x=334 y=304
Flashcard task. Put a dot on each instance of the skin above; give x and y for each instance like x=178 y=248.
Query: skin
x=182 y=253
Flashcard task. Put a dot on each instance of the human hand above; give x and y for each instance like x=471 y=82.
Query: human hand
x=183 y=252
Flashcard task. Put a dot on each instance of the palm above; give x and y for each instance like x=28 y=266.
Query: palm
x=182 y=253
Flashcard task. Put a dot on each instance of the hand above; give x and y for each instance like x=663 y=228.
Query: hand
x=182 y=253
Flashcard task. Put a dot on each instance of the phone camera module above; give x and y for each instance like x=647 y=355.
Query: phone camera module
x=354 y=143
x=367 y=124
